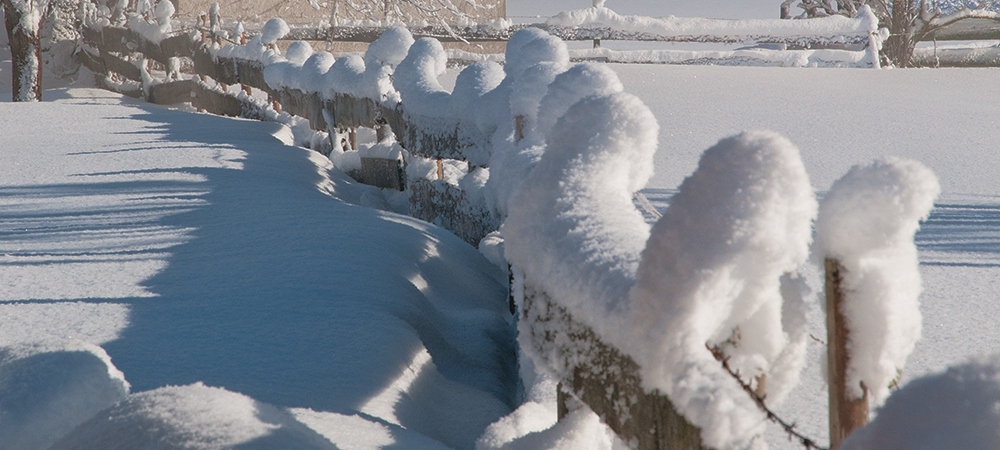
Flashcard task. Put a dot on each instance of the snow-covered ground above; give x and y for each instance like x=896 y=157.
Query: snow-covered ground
x=197 y=249
x=944 y=118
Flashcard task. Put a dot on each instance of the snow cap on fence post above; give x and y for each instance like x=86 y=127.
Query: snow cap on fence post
x=416 y=79
x=572 y=226
x=568 y=88
x=273 y=30
x=711 y=278
x=867 y=222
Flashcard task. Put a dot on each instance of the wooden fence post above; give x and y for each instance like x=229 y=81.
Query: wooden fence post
x=846 y=413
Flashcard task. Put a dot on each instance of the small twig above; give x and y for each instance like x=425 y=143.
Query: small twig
x=818 y=340
x=807 y=442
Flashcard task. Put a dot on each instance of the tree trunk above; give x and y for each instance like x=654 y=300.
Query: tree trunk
x=26 y=54
x=899 y=46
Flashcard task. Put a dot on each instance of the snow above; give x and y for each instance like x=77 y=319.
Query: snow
x=572 y=226
x=430 y=375
x=600 y=17
x=48 y=387
x=273 y=30
x=953 y=409
x=196 y=248
x=867 y=222
x=711 y=275
x=192 y=417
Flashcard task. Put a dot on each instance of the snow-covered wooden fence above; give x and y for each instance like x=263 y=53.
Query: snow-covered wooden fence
x=552 y=153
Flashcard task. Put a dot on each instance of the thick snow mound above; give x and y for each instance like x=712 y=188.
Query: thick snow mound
x=273 y=30
x=568 y=88
x=954 y=409
x=48 y=388
x=572 y=226
x=416 y=79
x=711 y=276
x=192 y=417
x=867 y=222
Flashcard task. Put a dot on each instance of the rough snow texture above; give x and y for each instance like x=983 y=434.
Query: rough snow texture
x=954 y=409
x=710 y=276
x=49 y=387
x=867 y=222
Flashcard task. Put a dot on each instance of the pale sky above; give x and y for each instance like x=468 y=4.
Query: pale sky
x=721 y=9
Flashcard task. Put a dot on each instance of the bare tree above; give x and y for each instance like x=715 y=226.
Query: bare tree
x=908 y=21
x=23 y=20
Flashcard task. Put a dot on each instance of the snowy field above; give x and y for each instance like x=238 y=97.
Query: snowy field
x=193 y=248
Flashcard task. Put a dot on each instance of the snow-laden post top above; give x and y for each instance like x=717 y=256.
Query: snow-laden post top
x=711 y=278
x=867 y=222
x=572 y=227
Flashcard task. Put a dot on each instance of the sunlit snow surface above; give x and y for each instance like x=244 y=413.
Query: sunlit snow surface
x=196 y=248
x=944 y=118
x=129 y=227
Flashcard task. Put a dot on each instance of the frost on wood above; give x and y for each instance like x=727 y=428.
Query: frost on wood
x=711 y=276
x=953 y=409
x=867 y=222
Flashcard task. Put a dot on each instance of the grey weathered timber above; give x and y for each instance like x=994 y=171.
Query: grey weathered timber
x=383 y=173
x=352 y=112
x=607 y=381
x=440 y=203
x=172 y=93
x=846 y=413
x=115 y=64
x=222 y=104
x=308 y=105
x=957 y=57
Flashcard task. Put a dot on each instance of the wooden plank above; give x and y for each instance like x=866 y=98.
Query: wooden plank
x=383 y=173
x=117 y=65
x=352 y=112
x=441 y=203
x=92 y=63
x=957 y=57
x=308 y=105
x=846 y=414
x=171 y=93
x=218 y=103
x=970 y=29
x=609 y=381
